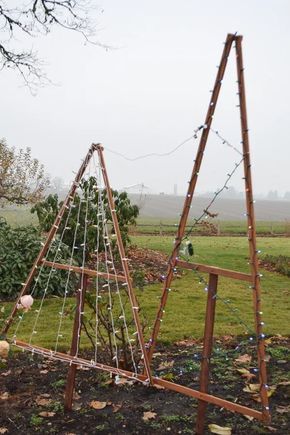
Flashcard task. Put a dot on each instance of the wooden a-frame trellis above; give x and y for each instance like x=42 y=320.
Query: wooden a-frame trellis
x=214 y=272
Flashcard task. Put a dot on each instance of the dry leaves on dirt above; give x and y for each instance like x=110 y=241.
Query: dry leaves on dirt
x=149 y=415
x=6 y=374
x=46 y=414
x=123 y=381
x=270 y=392
x=3 y=430
x=116 y=407
x=284 y=383
x=165 y=365
x=95 y=404
x=245 y=373
x=244 y=359
x=43 y=400
x=4 y=396
x=283 y=409
x=219 y=430
x=252 y=388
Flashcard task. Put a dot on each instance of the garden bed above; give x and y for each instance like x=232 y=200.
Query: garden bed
x=31 y=394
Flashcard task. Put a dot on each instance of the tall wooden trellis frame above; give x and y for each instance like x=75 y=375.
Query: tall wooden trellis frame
x=214 y=272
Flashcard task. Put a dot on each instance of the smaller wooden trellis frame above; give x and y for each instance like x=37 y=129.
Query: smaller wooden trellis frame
x=214 y=272
x=84 y=273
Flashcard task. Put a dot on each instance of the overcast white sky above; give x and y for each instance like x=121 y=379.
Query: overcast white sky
x=153 y=90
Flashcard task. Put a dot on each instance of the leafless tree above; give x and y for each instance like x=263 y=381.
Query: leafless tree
x=33 y=18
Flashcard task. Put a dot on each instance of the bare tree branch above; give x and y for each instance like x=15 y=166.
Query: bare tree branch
x=37 y=17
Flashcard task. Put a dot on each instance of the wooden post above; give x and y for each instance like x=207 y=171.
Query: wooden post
x=207 y=349
x=70 y=383
x=252 y=232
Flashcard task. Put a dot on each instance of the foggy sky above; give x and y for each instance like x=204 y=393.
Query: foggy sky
x=151 y=90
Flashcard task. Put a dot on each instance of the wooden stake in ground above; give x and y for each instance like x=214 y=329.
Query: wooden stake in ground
x=76 y=335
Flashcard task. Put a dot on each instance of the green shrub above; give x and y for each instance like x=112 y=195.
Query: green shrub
x=18 y=250
x=280 y=263
x=85 y=212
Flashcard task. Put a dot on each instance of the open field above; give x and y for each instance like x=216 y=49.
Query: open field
x=169 y=207
x=162 y=225
x=156 y=226
x=186 y=305
x=17 y=216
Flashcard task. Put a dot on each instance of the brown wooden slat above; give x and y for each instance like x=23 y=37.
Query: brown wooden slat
x=71 y=376
x=254 y=262
x=207 y=350
x=235 y=407
x=84 y=270
x=215 y=270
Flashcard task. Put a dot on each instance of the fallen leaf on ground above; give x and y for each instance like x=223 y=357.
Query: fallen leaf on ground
x=268 y=341
x=98 y=405
x=3 y=430
x=76 y=406
x=284 y=383
x=76 y=395
x=42 y=401
x=271 y=428
x=168 y=377
x=43 y=372
x=156 y=354
x=270 y=392
x=283 y=409
x=4 y=396
x=252 y=388
x=214 y=428
x=46 y=414
x=116 y=407
x=123 y=381
x=149 y=415
x=165 y=365
x=245 y=373
x=244 y=359
x=187 y=343
x=6 y=374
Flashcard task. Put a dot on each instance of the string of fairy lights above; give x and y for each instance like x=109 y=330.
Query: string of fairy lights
x=111 y=287
x=105 y=230
x=102 y=229
x=204 y=215
x=109 y=260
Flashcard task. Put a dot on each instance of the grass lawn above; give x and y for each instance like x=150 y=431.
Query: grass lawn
x=184 y=314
